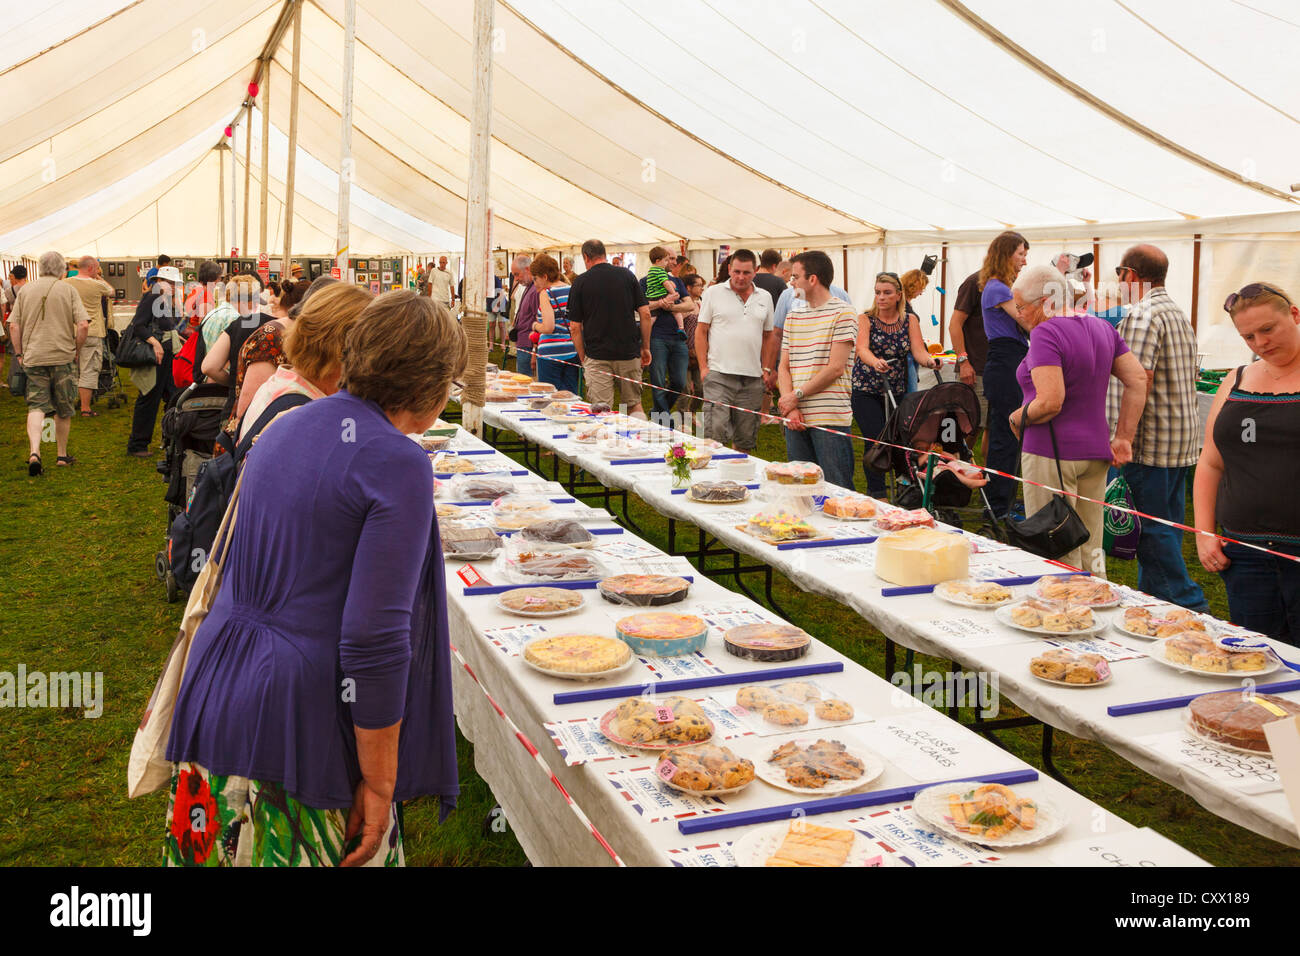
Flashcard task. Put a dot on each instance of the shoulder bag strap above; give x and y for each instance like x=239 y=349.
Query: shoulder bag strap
x=217 y=557
x=1056 y=453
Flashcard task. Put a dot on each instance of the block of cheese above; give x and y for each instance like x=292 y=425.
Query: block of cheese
x=921 y=556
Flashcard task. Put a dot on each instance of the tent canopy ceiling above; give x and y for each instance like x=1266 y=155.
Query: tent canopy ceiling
x=796 y=122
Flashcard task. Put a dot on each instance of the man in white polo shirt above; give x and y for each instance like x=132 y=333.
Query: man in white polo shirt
x=733 y=331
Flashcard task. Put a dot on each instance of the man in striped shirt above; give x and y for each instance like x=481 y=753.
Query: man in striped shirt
x=814 y=375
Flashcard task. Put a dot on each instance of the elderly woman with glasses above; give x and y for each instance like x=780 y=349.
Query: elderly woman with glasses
x=1062 y=424
x=1246 y=476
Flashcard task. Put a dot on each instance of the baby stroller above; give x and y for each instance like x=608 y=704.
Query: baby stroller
x=189 y=428
x=109 y=384
x=939 y=419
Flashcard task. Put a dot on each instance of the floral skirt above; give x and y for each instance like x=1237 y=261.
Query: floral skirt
x=215 y=820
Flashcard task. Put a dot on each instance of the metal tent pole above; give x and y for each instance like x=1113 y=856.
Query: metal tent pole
x=345 y=138
x=286 y=265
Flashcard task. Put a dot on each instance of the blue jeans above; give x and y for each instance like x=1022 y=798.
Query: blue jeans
x=670 y=361
x=1263 y=591
x=1004 y=397
x=523 y=361
x=869 y=413
x=1162 y=570
x=563 y=375
x=833 y=450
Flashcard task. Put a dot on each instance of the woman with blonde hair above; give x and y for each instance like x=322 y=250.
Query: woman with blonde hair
x=1247 y=486
x=313 y=350
x=1008 y=345
x=887 y=337
x=317 y=692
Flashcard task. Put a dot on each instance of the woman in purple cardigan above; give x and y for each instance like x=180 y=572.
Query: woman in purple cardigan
x=318 y=689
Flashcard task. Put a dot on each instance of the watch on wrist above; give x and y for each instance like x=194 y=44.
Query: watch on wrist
x=798 y=394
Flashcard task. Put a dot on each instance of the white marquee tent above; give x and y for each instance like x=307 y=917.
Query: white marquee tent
x=875 y=129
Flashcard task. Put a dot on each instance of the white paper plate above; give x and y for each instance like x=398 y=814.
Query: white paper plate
x=931 y=805
x=1157 y=653
x=768 y=773
x=942 y=594
x=1062 y=683
x=566 y=675
x=759 y=843
x=1118 y=622
x=1194 y=731
x=1004 y=616
x=1114 y=602
x=573 y=610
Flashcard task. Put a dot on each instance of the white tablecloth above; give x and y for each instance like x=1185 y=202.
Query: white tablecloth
x=1078 y=712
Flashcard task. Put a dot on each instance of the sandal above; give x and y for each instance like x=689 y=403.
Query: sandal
x=90 y=414
x=65 y=460
x=33 y=466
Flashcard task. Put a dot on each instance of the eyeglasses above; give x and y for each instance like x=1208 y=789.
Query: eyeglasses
x=1120 y=270
x=1249 y=292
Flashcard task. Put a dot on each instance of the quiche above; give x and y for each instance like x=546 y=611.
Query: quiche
x=663 y=634
x=577 y=653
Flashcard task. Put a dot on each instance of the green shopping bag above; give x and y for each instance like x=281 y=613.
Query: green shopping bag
x=1122 y=528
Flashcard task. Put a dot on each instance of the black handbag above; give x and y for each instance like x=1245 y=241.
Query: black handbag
x=133 y=351
x=1053 y=530
x=17 y=378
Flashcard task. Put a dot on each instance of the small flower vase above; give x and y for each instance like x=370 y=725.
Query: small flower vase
x=679 y=465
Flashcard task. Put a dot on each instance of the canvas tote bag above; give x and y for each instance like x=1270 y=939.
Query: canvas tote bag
x=148 y=769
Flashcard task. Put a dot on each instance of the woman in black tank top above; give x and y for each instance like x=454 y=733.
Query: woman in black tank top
x=1248 y=475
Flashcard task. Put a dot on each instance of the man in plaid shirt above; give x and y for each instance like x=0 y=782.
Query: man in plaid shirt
x=1168 y=439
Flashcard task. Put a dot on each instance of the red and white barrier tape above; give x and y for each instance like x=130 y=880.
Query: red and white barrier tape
x=533 y=752
x=988 y=471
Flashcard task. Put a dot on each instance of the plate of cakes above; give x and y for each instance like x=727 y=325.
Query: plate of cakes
x=705 y=769
x=578 y=656
x=791 y=705
x=1195 y=652
x=850 y=508
x=718 y=492
x=776 y=527
x=1067 y=668
x=989 y=814
x=540 y=601
x=969 y=593
x=644 y=723
x=1159 y=621
x=1081 y=589
x=818 y=766
x=800 y=843
x=1050 y=617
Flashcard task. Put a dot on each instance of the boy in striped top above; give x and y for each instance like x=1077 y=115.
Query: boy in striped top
x=659 y=285
x=814 y=374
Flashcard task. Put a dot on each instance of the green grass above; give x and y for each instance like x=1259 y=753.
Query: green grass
x=79 y=593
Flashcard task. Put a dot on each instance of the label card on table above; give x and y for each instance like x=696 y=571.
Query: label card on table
x=653 y=800
x=676 y=668
x=1098 y=645
x=929 y=749
x=625 y=548
x=853 y=556
x=1247 y=774
x=983 y=545
x=1283 y=738
x=899 y=831
x=971 y=631
x=1142 y=847
x=511 y=640
x=708 y=854
x=660 y=565
x=991 y=571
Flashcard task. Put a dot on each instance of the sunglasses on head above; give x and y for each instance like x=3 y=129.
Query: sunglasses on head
x=1249 y=292
x=892 y=275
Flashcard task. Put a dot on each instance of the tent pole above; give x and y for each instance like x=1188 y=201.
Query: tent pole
x=248 y=173
x=221 y=201
x=234 y=220
x=345 y=138
x=1196 y=278
x=286 y=266
x=478 y=259
x=943 y=295
x=262 y=211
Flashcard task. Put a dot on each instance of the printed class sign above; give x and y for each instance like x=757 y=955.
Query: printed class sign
x=970 y=631
x=855 y=556
x=983 y=545
x=511 y=640
x=1142 y=847
x=627 y=548
x=708 y=854
x=930 y=749
x=1241 y=772
x=899 y=832
x=652 y=801
x=675 y=668
x=659 y=565
x=1097 y=645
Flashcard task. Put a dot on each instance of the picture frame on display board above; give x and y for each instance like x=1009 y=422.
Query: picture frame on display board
x=374 y=288
x=388 y=278
x=146 y=263
x=362 y=278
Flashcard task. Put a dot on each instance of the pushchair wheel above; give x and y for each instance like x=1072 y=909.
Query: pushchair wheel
x=173 y=589
x=160 y=565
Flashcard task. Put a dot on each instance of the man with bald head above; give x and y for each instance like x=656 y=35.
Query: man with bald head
x=1168 y=438
x=95 y=295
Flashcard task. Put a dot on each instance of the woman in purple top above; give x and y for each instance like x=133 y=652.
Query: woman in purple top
x=318 y=688
x=1064 y=376
x=1007 y=344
